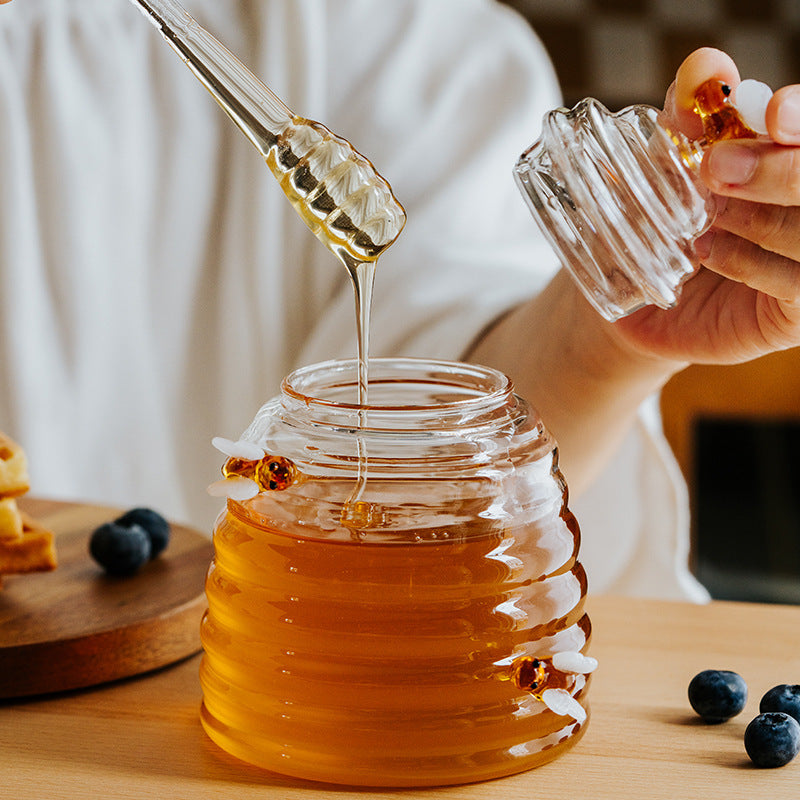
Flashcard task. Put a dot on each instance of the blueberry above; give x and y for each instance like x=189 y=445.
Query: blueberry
x=120 y=550
x=772 y=739
x=785 y=698
x=155 y=525
x=717 y=694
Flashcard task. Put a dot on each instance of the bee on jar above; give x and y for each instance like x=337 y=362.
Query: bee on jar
x=555 y=680
x=249 y=470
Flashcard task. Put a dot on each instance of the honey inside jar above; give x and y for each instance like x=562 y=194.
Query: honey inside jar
x=376 y=664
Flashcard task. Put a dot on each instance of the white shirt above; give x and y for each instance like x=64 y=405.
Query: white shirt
x=155 y=285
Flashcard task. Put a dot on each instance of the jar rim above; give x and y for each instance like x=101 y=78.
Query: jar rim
x=321 y=385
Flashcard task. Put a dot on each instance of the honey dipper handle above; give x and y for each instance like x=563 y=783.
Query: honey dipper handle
x=259 y=113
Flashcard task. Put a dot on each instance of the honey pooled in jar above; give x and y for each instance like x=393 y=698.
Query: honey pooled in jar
x=359 y=515
x=721 y=119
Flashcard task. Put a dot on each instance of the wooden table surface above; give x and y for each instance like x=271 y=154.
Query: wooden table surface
x=141 y=738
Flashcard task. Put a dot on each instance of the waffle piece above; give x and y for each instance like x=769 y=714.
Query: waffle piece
x=34 y=551
x=25 y=544
x=10 y=520
x=13 y=468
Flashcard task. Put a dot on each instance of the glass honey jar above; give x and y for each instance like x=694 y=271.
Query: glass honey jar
x=397 y=600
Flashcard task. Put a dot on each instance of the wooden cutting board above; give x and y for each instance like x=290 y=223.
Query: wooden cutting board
x=77 y=627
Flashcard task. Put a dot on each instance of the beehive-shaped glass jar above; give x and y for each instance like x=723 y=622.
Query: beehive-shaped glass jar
x=396 y=615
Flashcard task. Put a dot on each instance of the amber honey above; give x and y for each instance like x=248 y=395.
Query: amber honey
x=385 y=664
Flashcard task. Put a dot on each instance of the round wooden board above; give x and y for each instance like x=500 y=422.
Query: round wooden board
x=77 y=627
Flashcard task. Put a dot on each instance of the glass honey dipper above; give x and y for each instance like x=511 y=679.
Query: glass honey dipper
x=335 y=190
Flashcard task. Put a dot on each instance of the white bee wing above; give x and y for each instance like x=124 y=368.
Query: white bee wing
x=235 y=488
x=750 y=99
x=574 y=662
x=561 y=702
x=239 y=449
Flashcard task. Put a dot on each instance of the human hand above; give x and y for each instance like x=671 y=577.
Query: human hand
x=744 y=300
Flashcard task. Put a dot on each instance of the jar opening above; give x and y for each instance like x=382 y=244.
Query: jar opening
x=398 y=385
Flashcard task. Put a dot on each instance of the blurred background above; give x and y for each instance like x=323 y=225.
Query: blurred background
x=734 y=430
x=627 y=51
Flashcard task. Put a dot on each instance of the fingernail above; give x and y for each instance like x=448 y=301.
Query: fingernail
x=732 y=163
x=703 y=244
x=788 y=117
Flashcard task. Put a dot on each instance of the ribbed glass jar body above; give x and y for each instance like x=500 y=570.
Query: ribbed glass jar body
x=620 y=200
x=367 y=624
